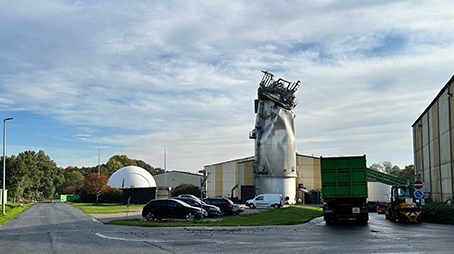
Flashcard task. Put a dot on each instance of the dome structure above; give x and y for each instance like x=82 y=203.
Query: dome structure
x=131 y=177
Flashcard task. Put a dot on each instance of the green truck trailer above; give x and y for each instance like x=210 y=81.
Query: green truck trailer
x=344 y=189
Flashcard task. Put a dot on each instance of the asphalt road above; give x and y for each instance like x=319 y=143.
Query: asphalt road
x=61 y=228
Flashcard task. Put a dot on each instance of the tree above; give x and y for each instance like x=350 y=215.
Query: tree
x=52 y=176
x=115 y=163
x=69 y=169
x=386 y=167
x=69 y=190
x=377 y=167
x=112 y=166
x=95 y=184
x=16 y=172
x=408 y=173
x=74 y=182
x=34 y=175
x=186 y=188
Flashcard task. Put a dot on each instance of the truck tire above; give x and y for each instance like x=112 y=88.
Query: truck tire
x=276 y=206
x=419 y=219
x=252 y=206
x=391 y=216
x=362 y=221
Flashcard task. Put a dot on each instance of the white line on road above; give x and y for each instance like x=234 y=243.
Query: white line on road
x=132 y=240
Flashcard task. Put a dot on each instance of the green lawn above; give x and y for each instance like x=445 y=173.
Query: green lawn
x=12 y=210
x=285 y=216
x=106 y=208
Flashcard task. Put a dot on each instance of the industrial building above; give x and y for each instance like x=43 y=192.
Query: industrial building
x=433 y=146
x=174 y=178
x=235 y=179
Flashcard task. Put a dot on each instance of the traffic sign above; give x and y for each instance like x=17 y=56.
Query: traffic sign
x=417 y=184
x=418 y=194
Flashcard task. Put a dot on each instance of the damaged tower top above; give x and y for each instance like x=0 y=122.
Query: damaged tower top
x=280 y=91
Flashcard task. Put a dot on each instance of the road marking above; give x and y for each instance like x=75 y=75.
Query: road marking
x=96 y=220
x=152 y=241
x=132 y=240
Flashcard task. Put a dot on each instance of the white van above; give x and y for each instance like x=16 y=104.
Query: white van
x=274 y=200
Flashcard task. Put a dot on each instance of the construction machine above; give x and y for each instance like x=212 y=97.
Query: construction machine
x=403 y=206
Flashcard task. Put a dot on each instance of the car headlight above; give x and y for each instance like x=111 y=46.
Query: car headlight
x=212 y=209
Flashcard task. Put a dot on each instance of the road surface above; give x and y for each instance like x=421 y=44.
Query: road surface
x=62 y=228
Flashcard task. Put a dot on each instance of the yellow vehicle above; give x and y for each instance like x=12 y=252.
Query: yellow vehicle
x=403 y=206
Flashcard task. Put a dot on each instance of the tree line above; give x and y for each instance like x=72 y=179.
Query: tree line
x=407 y=173
x=35 y=176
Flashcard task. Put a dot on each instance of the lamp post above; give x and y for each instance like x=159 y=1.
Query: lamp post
x=4 y=165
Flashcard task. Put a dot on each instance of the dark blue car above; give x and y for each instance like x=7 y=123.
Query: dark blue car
x=171 y=208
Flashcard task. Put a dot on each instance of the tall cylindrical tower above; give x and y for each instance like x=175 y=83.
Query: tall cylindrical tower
x=275 y=168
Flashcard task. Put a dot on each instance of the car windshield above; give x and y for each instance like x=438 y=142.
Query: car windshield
x=404 y=192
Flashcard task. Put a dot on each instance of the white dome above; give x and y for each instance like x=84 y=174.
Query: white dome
x=131 y=177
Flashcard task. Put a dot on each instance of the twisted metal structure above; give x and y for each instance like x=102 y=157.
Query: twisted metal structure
x=275 y=168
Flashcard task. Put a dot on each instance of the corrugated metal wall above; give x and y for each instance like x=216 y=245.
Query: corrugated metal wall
x=433 y=146
x=222 y=177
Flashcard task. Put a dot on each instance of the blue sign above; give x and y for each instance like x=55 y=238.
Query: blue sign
x=418 y=194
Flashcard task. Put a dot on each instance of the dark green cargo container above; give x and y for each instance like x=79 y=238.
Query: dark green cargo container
x=344 y=189
x=344 y=177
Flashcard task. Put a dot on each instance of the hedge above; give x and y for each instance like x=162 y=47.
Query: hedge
x=438 y=213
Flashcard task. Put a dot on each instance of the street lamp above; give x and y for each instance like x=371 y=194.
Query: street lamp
x=4 y=165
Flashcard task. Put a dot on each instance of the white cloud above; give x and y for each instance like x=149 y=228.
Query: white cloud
x=145 y=75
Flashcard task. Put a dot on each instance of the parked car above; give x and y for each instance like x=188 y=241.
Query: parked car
x=239 y=209
x=226 y=205
x=188 y=196
x=211 y=209
x=264 y=200
x=171 y=208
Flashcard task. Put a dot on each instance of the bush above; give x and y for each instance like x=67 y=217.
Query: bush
x=186 y=188
x=438 y=213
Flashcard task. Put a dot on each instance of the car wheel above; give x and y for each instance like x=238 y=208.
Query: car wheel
x=222 y=213
x=252 y=206
x=190 y=217
x=150 y=216
x=276 y=206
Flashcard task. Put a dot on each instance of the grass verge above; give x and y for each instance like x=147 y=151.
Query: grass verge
x=12 y=210
x=103 y=208
x=285 y=216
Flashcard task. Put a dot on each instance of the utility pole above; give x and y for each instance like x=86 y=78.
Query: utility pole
x=99 y=161
x=4 y=165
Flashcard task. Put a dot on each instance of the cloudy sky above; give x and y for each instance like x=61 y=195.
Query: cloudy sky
x=138 y=77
